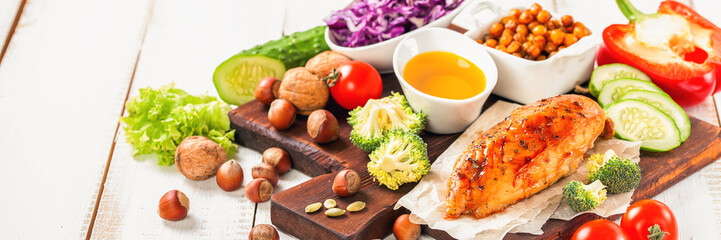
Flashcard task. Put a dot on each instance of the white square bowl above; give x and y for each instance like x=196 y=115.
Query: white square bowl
x=523 y=80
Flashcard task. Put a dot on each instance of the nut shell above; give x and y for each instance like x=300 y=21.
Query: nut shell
x=323 y=126
x=304 y=90
x=230 y=176
x=279 y=158
x=323 y=63
x=266 y=90
x=346 y=183
x=173 y=206
x=281 y=114
x=263 y=232
x=258 y=190
x=267 y=171
x=198 y=157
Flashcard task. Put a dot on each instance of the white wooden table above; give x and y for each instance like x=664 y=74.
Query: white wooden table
x=67 y=67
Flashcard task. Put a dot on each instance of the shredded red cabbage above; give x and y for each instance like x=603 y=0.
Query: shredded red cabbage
x=371 y=21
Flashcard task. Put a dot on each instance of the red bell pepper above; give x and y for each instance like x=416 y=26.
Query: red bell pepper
x=679 y=49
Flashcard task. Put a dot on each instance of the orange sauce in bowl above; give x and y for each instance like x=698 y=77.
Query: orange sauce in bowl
x=444 y=75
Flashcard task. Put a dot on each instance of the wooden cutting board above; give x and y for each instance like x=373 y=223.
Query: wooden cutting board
x=322 y=161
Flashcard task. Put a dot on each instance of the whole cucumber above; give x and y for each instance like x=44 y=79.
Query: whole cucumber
x=236 y=78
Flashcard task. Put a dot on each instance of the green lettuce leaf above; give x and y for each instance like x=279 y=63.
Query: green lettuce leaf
x=158 y=120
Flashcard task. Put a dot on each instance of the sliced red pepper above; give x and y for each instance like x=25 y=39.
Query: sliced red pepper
x=684 y=64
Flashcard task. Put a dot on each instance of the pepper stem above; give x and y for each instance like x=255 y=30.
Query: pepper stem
x=628 y=10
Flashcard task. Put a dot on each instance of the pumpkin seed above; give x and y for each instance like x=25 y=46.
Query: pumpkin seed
x=356 y=206
x=334 y=212
x=313 y=207
x=329 y=203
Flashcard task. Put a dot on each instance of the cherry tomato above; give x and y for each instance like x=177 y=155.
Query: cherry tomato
x=643 y=214
x=357 y=82
x=599 y=229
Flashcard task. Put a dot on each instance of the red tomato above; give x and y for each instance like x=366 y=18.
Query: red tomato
x=599 y=229
x=358 y=82
x=644 y=214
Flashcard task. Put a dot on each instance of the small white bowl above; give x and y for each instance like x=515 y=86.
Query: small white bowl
x=380 y=55
x=444 y=116
x=523 y=80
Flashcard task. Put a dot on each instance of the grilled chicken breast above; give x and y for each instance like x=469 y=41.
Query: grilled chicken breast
x=527 y=152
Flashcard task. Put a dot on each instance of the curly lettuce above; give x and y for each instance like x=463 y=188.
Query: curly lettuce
x=159 y=119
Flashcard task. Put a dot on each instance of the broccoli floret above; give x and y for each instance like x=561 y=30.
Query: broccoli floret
x=402 y=157
x=379 y=116
x=619 y=175
x=582 y=197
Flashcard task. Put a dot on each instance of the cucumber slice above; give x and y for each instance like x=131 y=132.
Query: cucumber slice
x=608 y=72
x=613 y=90
x=236 y=78
x=638 y=121
x=665 y=104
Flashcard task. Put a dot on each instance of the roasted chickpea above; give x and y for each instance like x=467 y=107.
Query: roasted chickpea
x=550 y=47
x=553 y=24
x=543 y=16
x=557 y=36
x=525 y=17
x=539 y=30
x=539 y=40
x=514 y=12
x=518 y=37
x=552 y=53
x=569 y=39
x=505 y=19
x=533 y=51
x=562 y=47
x=496 y=29
x=517 y=54
x=486 y=37
x=567 y=20
x=492 y=43
x=511 y=24
x=505 y=39
x=525 y=45
x=581 y=31
x=535 y=9
x=513 y=47
x=533 y=24
x=500 y=48
x=522 y=29
x=541 y=58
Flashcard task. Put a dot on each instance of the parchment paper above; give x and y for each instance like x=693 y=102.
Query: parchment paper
x=426 y=200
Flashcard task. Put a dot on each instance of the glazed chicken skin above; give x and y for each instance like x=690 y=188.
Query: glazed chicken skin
x=522 y=155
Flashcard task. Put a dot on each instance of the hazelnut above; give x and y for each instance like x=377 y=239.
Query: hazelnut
x=281 y=114
x=198 y=157
x=322 y=126
x=263 y=232
x=346 y=183
x=173 y=206
x=230 y=176
x=404 y=229
x=266 y=171
x=278 y=158
x=267 y=90
x=258 y=190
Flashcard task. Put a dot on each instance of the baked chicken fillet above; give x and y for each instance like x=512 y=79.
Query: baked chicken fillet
x=522 y=155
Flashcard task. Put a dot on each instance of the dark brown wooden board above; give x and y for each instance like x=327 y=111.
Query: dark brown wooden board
x=322 y=161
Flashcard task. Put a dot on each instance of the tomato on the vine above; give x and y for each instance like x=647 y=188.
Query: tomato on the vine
x=641 y=216
x=599 y=229
x=353 y=83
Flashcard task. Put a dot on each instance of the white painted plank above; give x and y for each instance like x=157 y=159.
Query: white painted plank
x=62 y=86
x=185 y=41
x=8 y=10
